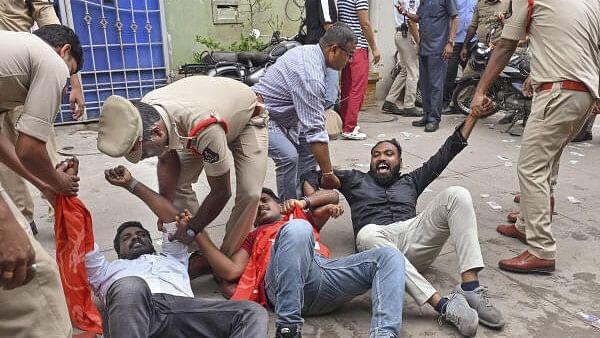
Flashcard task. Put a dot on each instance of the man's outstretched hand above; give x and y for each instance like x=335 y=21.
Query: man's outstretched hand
x=17 y=255
x=330 y=181
x=481 y=106
x=119 y=176
x=67 y=171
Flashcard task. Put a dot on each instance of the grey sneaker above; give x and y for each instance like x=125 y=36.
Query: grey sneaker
x=479 y=300
x=459 y=314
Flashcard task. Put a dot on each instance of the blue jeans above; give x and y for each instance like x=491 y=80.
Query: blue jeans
x=299 y=282
x=332 y=87
x=292 y=159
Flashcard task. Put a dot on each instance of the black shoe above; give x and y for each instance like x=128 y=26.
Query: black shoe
x=411 y=112
x=420 y=123
x=390 y=107
x=446 y=110
x=288 y=332
x=432 y=126
x=585 y=136
x=33 y=227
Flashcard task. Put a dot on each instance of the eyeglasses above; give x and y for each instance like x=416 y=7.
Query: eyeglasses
x=348 y=53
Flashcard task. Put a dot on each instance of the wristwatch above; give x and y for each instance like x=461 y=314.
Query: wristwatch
x=451 y=42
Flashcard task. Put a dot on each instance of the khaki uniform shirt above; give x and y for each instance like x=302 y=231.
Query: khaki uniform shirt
x=486 y=15
x=564 y=41
x=34 y=75
x=14 y=15
x=185 y=103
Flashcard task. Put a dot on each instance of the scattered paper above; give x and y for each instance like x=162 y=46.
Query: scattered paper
x=508 y=164
x=494 y=205
x=368 y=144
x=490 y=125
x=574 y=153
x=589 y=319
x=585 y=144
x=381 y=136
x=427 y=190
x=405 y=135
x=508 y=141
x=573 y=200
x=484 y=195
x=518 y=146
x=573 y=161
x=502 y=158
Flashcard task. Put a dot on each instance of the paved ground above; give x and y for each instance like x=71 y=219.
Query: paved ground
x=534 y=306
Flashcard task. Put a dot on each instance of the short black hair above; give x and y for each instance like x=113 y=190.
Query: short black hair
x=121 y=228
x=394 y=142
x=339 y=33
x=57 y=36
x=272 y=194
x=149 y=116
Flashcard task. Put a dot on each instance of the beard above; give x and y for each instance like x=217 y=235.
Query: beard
x=388 y=179
x=137 y=252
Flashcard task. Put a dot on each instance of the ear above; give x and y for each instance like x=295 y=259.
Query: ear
x=64 y=49
x=157 y=130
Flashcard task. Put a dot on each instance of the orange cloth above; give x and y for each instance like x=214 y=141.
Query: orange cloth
x=74 y=237
x=251 y=286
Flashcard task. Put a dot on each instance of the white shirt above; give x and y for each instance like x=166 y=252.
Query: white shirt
x=410 y=5
x=164 y=273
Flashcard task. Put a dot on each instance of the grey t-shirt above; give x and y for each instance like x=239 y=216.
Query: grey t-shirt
x=434 y=25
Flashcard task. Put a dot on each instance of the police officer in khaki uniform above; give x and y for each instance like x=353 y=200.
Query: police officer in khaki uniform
x=33 y=74
x=565 y=76
x=20 y=16
x=193 y=124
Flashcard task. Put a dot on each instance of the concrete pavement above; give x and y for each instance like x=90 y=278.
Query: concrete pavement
x=534 y=306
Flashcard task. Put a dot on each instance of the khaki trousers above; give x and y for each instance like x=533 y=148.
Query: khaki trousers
x=450 y=215
x=249 y=152
x=14 y=185
x=408 y=77
x=38 y=308
x=556 y=117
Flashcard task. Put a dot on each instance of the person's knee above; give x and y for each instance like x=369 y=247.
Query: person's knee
x=459 y=194
x=297 y=230
x=254 y=310
x=391 y=256
x=371 y=236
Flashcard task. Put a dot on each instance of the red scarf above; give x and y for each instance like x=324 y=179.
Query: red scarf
x=251 y=286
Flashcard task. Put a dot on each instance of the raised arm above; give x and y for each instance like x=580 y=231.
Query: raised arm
x=160 y=206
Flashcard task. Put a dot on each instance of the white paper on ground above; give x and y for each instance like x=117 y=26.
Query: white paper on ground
x=494 y=205
x=484 y=195
x=503 y=158
x=573 y=200
x=508 y=164
x=574 y=153
x=573 y=161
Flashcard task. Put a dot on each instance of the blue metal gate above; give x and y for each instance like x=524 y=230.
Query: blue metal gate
x=123 y=47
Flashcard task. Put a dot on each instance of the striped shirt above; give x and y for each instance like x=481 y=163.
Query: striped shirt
x=294 y=93
x=348 y=14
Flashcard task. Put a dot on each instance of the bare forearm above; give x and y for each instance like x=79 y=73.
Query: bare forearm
x=367 y=29
x=322 y=197
x=453 y=28
x=414 y=31
x=167 y=171
x=222 y=266
x=500 y=57
x=468 y=126
x=9 y=157
x=33 y=156
x=321 y=153
x=412 y=17
x=470 y=34
x=159 y=205
x=210 y=208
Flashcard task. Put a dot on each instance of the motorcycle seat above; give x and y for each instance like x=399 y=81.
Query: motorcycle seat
x=256 y=58
x=217 y=56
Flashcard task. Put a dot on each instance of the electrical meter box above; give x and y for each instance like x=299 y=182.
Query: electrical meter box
x=225 y=11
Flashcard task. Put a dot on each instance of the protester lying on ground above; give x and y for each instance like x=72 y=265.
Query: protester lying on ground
x=383 y=203
x=283 y=263
x=148 y=294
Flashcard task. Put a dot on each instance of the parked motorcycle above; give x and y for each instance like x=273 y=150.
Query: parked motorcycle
x=506 y=91
x=247 y=67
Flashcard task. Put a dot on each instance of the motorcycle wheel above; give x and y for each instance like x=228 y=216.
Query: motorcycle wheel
x=463 y=95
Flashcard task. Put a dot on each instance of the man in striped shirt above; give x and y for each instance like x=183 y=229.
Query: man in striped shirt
x=293 y=90
x=355 y=76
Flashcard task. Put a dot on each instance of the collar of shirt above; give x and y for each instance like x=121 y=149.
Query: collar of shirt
x=175 y=140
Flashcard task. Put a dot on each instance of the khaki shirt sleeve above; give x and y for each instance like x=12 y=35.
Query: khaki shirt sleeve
x=212 y=145
x=515 y=27
x=43 y=13
x=48 y=80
